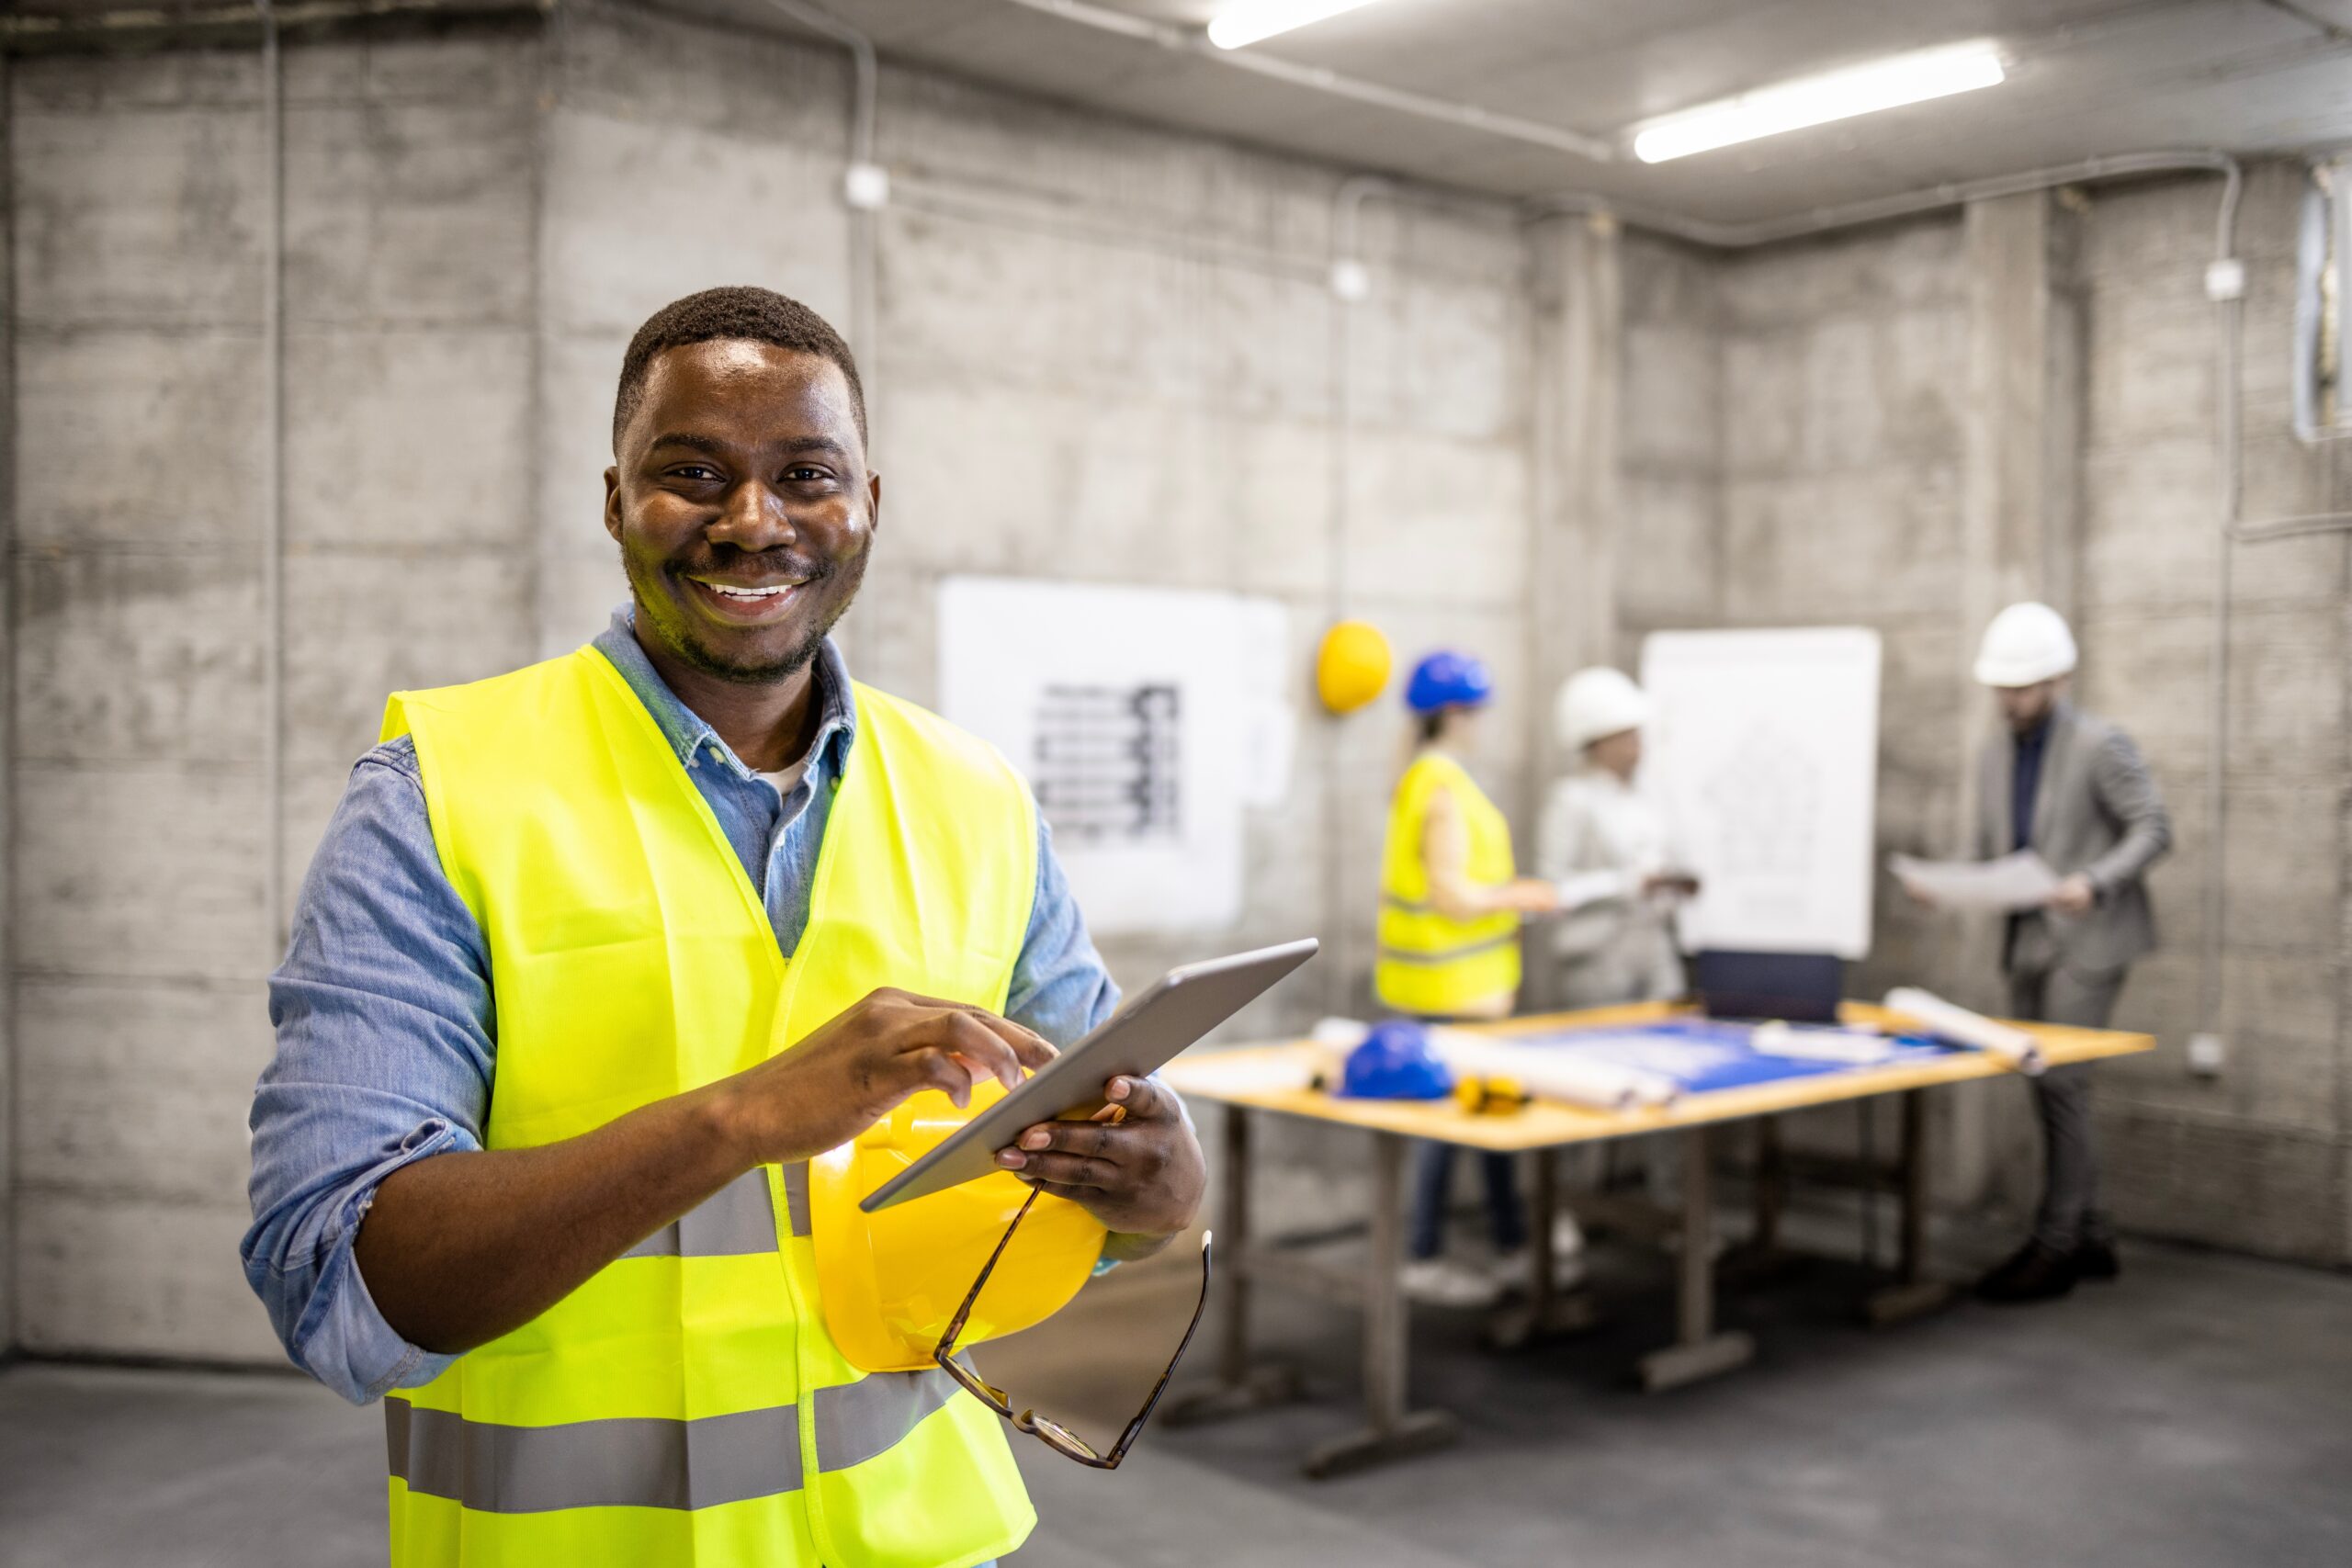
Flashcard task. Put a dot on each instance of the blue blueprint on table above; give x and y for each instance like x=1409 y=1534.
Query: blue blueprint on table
x=1705 y=1054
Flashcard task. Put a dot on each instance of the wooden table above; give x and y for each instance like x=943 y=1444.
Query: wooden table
x=1245 y=1080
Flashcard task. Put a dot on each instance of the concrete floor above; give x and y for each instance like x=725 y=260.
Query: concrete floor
x=2198 y=1413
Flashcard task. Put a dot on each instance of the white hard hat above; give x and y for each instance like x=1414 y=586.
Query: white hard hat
x=1596 y=703
x=2026 y=645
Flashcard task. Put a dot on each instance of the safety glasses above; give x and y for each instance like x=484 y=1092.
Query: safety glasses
x=1055 y=1435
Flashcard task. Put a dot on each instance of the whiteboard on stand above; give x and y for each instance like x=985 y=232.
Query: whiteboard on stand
x=1146 y=720
x=1763 y=752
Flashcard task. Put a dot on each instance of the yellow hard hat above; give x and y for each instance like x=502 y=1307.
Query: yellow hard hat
x=889 y=1281
x=1351 y=667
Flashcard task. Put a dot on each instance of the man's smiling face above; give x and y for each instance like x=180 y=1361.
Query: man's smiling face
x=743 y=506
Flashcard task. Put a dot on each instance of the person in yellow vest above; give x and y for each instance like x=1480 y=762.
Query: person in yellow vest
x=597 y=955
x=1450 y=904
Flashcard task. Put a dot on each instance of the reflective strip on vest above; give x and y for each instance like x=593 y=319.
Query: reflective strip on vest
x=647 y=1463
x=737 y=1220
x=1448 y=954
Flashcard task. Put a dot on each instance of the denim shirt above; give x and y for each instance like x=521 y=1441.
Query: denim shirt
x=387 y=1022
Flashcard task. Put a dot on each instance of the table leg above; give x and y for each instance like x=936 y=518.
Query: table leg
x=1772 y=1184
x=1759 y=1257
x=1240 y=1386
x=1699 y=1350
x=1546 y=1311
x=1392 y=1431
x=1913 y=1294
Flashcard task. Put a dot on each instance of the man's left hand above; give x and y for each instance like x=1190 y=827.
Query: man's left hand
x=1142 y=1177
x=2074 y=897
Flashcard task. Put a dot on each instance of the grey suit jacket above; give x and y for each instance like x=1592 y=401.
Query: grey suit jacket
x=2097 y=811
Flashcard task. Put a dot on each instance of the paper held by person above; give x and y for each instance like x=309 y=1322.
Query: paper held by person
x=2019 y=880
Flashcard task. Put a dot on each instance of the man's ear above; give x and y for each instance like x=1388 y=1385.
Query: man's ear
x=613 y=502
x=873 y=503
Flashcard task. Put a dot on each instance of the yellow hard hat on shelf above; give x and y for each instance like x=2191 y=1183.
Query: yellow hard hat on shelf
x=1351 y=667
x=890 y=1280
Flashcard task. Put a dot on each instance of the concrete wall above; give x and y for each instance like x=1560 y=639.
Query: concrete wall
x=2256 y=1158
x=1844 y=376
x=1921 y=421
x=7 y=737
x=142 y=461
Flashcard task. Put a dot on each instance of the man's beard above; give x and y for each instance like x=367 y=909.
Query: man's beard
x=677 y=631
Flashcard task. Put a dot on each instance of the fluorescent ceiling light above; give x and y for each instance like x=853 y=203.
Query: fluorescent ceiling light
x=1817 y=100
x=1251 y=20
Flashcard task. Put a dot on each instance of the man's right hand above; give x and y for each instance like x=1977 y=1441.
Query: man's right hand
x=852 y=1072
x=1531 y=895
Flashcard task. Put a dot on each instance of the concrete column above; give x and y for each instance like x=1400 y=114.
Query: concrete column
x=8 y=719
x=1574 y=440
x=2020 y=494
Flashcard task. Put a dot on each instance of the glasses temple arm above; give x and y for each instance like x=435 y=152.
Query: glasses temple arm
x=955 y=1325
x=1119 y=1449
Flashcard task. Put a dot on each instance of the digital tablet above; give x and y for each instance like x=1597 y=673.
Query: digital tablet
x=1136 y=1040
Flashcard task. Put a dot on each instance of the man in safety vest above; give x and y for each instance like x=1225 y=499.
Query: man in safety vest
x=596 y=955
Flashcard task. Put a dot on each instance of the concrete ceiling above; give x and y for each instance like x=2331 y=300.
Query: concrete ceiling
x=2089 y=77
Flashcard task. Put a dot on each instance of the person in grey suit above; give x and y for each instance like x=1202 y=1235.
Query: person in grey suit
x=2073 y=789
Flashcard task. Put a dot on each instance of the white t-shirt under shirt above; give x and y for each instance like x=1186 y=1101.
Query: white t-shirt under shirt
x=787 y=778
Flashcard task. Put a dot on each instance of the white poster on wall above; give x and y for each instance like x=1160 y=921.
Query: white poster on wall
x=1764 y=753
x=1146 y=719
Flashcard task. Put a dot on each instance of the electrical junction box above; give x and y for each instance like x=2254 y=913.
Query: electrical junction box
x=2208 y=1053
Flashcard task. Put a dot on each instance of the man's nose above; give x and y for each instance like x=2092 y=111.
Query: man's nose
x=753 y=519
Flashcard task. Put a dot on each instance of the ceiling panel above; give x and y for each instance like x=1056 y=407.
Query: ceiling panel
x=2089 y=77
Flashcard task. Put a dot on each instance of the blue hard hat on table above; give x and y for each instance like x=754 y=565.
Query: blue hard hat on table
x=1394 y=1062
x=1448 y=679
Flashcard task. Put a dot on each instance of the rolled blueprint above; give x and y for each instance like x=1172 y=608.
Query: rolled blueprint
x=1549 y=1073
x=1847 y=1047
x=2014 y=1046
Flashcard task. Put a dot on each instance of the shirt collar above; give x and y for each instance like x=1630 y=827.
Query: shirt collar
x=2039 y=736
x=689 y=734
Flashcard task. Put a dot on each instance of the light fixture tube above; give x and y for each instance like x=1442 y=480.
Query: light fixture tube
x=1251 y=20
x=1816 y=100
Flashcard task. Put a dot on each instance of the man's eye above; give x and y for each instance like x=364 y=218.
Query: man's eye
x=694 y=471
x=801 y=473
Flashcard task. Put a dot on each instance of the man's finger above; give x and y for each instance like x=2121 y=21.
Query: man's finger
x=1143 y=1099
x=988 y=1050
x=1091 y=1138
x=1066 y=1170
x=1032 y=1050
x=935 y=1066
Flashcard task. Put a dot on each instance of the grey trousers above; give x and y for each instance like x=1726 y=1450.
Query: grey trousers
x=2070 y=1213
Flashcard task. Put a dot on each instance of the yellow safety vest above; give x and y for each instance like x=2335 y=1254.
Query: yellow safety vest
x=686 y=1404
x=1428 y=965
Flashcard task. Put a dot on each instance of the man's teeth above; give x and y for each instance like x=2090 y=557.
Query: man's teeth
x=769 y=592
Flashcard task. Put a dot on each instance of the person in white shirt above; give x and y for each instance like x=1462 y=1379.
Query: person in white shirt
x=1607 y=849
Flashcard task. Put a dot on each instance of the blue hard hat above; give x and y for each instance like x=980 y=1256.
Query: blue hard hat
x=1394 y=1062
x=1449 y=679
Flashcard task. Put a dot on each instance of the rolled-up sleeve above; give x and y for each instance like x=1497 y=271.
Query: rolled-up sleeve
x=385 y=1045
x=1060 y=989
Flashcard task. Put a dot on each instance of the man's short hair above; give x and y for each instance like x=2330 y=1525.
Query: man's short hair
x=760 y=315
